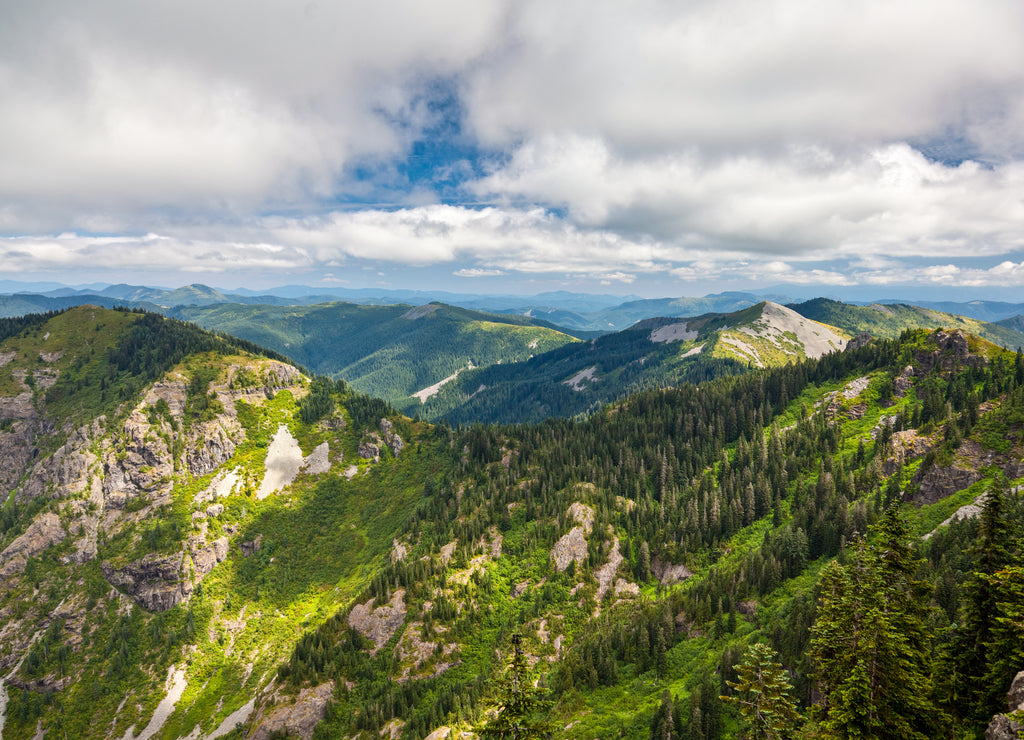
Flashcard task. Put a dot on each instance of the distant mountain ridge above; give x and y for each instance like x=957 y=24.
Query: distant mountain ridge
x=580 y=378
x=392 y=351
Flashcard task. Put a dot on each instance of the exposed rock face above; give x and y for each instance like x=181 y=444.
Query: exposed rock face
x=1003 y=727
x=44 y=531
x=17 y=448
x=205 y=557
x=369 y=449
x=606 y=573
x=298 y=719
x=154 y=582
x=858 y=341
x=571 y=547
x=251 y=547
x=282 y=464
x=379 y=624
x=583 y=515
x=669 y=573
x=952 y=349
x=319 y=460
x=939 y=481
x=903 y=382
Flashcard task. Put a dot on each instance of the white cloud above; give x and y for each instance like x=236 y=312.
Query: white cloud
x=766 y=140
x=473 y=272
x=805 y=204
x=116 y=106
x=734 y=74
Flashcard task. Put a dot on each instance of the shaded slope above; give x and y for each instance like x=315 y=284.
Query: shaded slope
x=658 y=352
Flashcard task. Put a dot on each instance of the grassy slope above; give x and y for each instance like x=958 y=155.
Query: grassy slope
x=890 y=320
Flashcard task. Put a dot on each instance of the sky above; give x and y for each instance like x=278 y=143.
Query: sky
x=654 y=148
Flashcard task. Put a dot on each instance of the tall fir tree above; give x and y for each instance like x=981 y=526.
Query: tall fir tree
x=870 y=644
x=518 y=704
x=762 y=692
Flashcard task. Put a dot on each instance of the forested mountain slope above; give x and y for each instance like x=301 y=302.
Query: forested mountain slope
x=232 y=543
x=580 y=378
x=390 y=352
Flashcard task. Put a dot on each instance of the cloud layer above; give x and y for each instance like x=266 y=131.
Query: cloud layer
x=781 y=140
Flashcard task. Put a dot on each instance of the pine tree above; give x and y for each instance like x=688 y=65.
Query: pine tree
x=763 y=694
x=517 y=703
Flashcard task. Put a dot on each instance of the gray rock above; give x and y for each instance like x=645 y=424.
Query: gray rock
x=669 y=573
x=298 y=719
x=369 y=451
x=45 y=530
x=379 y=624
x=571 y=547
x=154 y=582
x=1003 y=727
x=251 y=547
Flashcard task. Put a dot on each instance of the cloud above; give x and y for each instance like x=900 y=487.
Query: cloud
x=778 y=140
x=808 y=203
x=110 y=106
x=729 y=75
x=473 y=272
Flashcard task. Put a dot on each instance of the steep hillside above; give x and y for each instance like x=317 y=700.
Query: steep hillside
x=233 y=543
x=656 y=352
x=216 y=505
x=890 y=319
x=391 y=352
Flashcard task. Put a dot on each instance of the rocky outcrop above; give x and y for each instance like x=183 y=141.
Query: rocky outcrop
x=297 y=719
x=572 y=547
x=17 y=440
x=380 y=624
x=583 y=515
x=154 y=582
x=951 y=350
x=939 y=481
x=1004 y=727
x=45 y=530
x=669 y=573
x=391 y=437
x=206 y=556
x=605 y=575
x=369 y=448
x=903 y=382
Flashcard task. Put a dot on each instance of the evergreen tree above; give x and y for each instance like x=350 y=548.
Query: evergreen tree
x=517 y=703
x=870 y=644
x=968 y=653
x=763 y=694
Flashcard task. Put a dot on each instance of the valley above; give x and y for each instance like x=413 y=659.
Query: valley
x=202 y=540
